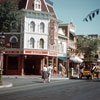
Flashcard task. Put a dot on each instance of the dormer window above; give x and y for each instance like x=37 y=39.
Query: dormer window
x=37 y=5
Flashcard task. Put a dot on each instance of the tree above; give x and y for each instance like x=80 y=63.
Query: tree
x=8 y=14
x=91 y=15
x=88 y=47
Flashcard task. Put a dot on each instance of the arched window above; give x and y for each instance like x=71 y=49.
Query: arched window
x=41 y=43
x=32 y=27
x=14 y=26
x=13 y=41
x=32 y=42
x=42 y=27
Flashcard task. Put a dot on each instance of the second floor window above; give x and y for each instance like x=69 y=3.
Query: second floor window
x=42 y=27
x=14 y=26
x=72 y=36
x=32 y=27
x=13 y=41
x=32 y=42
x=41 y=43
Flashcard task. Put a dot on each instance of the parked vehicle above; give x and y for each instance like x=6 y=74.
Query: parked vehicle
x=89 y=73
x=86 y=73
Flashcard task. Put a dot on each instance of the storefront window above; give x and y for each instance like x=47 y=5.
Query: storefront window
x=12 y=63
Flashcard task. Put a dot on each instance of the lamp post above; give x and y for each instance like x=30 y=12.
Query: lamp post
x=68 y=62
x=2 y=42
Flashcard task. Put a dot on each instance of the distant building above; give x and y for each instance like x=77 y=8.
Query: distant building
x=62 y=46
x=69 y=30
x=93 y=36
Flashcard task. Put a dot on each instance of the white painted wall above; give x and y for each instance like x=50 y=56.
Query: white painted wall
x=36 y=35
x=62 y=42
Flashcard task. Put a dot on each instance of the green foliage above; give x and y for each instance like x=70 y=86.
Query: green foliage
x=8 y=14
x=88 y=46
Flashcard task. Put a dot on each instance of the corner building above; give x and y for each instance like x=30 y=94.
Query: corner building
x=35 y=42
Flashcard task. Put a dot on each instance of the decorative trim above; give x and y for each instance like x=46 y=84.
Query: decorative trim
x=36 y=52
x=27 y=4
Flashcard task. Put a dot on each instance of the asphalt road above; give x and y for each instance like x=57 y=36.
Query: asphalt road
x=34 y=89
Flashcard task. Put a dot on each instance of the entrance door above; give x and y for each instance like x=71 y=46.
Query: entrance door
x=32 y=65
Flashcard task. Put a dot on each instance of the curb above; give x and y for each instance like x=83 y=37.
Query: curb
x=6 y=85
x=21 y=77
x=52 y=78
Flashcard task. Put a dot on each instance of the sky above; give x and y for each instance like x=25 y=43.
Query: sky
x=76 y=11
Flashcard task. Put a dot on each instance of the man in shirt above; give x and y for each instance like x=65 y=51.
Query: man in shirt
x=49 y=72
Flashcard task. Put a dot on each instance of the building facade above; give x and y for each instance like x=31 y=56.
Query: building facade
x=62 y=46
x=35 y=42
x=69 y=30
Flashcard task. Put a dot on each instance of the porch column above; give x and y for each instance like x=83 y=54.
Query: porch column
x=57 y=63
x=47 y=61
x=22 y=65
x=6 y=65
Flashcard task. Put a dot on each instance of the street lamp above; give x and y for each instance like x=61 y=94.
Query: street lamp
x=68 y=62
x=2 y=42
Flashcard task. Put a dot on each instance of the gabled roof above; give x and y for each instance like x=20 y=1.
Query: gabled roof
x=51 y=10
x=30 y=5
x=47 y=5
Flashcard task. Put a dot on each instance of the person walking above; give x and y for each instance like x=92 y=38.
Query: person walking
x=49 y=72
x=61 y=69
x=44 y=73
x=54 y=70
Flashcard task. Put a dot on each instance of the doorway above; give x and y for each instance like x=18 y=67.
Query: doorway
x=32 y=65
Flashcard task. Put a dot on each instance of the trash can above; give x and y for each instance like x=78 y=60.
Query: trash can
x=69 y=73
x=72 y=72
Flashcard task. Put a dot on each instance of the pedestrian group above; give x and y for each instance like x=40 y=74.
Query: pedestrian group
x=46 y=73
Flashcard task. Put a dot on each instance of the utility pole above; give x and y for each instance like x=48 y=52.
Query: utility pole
x=2 y=42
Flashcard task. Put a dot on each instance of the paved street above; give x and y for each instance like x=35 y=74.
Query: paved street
x=34 y=89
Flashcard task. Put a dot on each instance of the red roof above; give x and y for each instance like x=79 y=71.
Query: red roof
x=29 y=4
x=51 y=10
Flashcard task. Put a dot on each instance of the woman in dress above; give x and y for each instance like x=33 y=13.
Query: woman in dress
x=44 y=73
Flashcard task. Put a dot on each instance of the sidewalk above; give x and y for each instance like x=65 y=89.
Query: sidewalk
x=6 y=85
x=57 y=76
x=33 y=77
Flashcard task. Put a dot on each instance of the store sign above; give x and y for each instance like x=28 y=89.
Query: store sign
x=52 y=31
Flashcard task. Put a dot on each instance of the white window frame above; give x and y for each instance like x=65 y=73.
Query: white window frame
x=32 y=42
x=41 y=43
x=42 y=27
x=32 y=26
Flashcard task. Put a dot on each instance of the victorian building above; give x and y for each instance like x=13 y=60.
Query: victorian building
x=69 y=30
x=62 y=46
x=35 y=42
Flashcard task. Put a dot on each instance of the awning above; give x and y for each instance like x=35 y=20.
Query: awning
x=76 y=59
x=62 y=58
x=73 y=33
x=72 y=47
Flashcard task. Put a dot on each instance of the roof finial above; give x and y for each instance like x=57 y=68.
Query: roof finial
x=71 y=21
